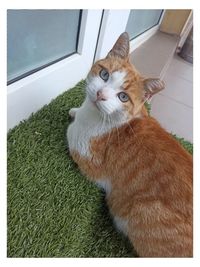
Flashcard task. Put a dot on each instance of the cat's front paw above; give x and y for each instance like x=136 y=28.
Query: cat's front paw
x=72 y=112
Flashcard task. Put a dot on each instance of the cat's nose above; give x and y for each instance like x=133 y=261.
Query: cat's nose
x=100 y=96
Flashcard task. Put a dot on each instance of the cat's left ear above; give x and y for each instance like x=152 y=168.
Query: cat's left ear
x=152 y=86
x=121 y=47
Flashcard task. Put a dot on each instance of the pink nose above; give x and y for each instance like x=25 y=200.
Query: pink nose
x=100 y=95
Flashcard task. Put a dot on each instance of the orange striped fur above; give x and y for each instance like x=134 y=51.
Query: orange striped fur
x=148 y=171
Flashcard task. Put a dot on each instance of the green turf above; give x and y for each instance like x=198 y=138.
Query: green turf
x=53 y=210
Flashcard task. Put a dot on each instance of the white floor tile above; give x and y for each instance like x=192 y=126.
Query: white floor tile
x=173 y=116
x=181 y=68
x=178 y=89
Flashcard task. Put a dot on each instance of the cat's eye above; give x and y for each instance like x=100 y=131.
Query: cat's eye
x=123 y=97
x=104 y=74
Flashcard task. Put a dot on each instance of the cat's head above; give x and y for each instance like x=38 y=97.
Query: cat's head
x=114 y=85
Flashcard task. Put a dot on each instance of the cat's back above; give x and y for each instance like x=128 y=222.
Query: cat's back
x=163 y=153
x=144 y=144
x=156 y=193
x=145 y=162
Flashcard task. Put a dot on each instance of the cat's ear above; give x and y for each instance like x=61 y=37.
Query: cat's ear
x=152 y=86
x=121 y=47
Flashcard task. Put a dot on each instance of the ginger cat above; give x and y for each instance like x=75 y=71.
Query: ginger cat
x=145 y=172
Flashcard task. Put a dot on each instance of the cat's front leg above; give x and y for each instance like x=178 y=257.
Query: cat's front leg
x=72 y=112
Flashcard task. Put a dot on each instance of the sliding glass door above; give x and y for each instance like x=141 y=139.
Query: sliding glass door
x=49 y=51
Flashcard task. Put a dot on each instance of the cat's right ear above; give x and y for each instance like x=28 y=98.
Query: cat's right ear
x=152 y=86
x=121 y=47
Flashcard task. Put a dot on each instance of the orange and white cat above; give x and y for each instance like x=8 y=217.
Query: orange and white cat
x=145 y=172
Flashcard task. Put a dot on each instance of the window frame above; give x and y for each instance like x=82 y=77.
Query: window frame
x=27 y=73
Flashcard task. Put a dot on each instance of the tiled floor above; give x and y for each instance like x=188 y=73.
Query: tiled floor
x=173 y=107
x=152 y=57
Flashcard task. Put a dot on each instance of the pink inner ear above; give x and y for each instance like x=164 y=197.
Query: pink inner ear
x=153 y=86
x=147 y=96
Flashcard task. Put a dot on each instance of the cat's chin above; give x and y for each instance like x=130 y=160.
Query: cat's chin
x=94 y=104
x=98 y=107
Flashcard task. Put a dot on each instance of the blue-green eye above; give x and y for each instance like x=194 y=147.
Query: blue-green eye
x=104 y=74
x=123 y=97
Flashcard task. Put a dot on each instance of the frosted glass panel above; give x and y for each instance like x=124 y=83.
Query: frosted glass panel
x=39 y=37
x=141 y=20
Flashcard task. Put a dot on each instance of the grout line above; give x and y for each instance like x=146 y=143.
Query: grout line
x=179 y=102
x=179 y=76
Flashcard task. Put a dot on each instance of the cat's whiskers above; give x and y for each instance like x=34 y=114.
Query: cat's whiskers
x=103 y=120
x=109 y=122
x=130 y=127
x=127 y=121
x=118 y=136
x=115 y=127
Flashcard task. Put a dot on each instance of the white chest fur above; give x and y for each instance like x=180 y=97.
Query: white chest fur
x=88 y=123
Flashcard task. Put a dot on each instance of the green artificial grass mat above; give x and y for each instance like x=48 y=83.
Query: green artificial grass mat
x=53 y=210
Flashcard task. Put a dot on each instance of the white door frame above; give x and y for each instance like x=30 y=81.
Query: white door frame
x=113 y=24
x=34 y=91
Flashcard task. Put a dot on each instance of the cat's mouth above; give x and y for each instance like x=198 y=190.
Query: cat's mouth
x=103 y=103
x=94 y=101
